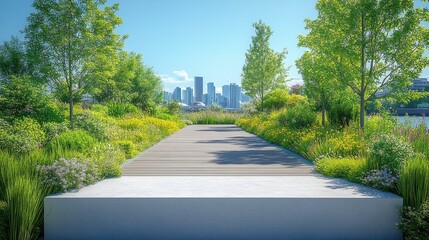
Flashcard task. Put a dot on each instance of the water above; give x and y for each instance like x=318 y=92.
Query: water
x=414 y=120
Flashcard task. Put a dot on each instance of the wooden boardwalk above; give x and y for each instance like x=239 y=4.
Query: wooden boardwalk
x=216 y=150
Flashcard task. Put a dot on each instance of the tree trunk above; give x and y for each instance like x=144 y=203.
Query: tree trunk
x=362 y=78
x=71 y=105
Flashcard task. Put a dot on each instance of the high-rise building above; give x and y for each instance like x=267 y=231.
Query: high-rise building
x=211 y=93
x=177 y=94
x=205 y=98
x=167 y=96
x=221 y=100
x=235 y=96
x=184 y=96
x=226 y=93
x=189 y=96
x=198 y=87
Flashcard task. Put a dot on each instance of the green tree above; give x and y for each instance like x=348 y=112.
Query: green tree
x=147 y=89
x=72 y=43
x=319 y=83
x=13 y=60
x=373 y=44
x=264 y=69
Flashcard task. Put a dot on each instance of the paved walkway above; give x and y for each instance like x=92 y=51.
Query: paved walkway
x=216 y=150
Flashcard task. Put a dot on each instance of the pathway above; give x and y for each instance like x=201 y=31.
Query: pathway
x=217 y=150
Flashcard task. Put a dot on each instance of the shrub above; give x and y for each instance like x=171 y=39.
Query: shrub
x=108 y=159
x=128 y=147
x=53 y=129
x=389 y=152
x=415 y=222
x=298 y=117
x=296 y=100
x=23 y=137
x=348 y=168
x=384 y=179
x=24 y=199
x=342 y=110
x=77 y=140
x=413 y=182
x=92 y=125
x=276 y=99
x=64 y=175
x=377 y=124
x=120 y=109
x=99 y=108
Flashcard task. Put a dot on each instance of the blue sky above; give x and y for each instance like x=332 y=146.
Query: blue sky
x=181 y=39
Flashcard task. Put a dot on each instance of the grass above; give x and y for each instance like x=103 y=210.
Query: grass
x=212 y=117
x=413 y=182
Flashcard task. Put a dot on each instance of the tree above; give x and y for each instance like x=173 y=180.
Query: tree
x=373 y=44
x=13 y=60
x=72 y=43
x=319 y=83
x=264 y=69
x=147 y=89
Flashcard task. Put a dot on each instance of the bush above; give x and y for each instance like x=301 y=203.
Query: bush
x=415 y=222
x=128 y=147
x=342 y=111
x=384 y=179
x=77 y=140
x=276 y=99
x=64 y=175
x=298 y=117
x=53 y=129
x=348 y=168
x=120 y=109
x=108 y=159
x=174 y=108
x=92 y=125
x=413 y=182
x=389 y=152
x=23 y=137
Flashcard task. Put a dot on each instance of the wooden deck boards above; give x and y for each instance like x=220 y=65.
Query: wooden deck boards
x=216 y=150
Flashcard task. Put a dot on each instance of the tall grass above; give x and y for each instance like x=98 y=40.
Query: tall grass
x=212 y=117
x=413 y=184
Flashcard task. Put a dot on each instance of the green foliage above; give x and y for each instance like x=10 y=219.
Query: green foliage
x=13 y=61
x=300 y=117
x=128 y=147
x=389 y=152
x=276 y=99
x=24 y=198
x=263 y=70
x=108 y=159
x=88 y=42
x=413 y=184
x=342 y=110
x=368 y=45
x=415 y=222
x=347 y=168
x=94 y=126
x=53 y=129
x=212 y=117
x=174 y=108
x=21 y=96
x=77 y=140
x=378 y=124
x=120 y=109
x=24 y=136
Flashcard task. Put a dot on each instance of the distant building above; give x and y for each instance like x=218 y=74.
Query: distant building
x=198 y=87
x=226 y=93
x=189 y=96
x=420 y=84
x=221 y=100
x=184 y=96
x=177 y=94
x=167 y=96
x=205 y=99
x=211 y=93
x=235 y=96
x=245 y=98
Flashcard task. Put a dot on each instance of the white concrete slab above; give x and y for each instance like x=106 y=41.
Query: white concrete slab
x=226 y=186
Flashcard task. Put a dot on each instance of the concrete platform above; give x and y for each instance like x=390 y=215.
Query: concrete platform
x=205 y=182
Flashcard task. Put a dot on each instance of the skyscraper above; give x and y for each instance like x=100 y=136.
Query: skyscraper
x=211 y=93
x=235 y=96
x=198 y=86
x=226 y=93
x=189 y=96
x=177 y=94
